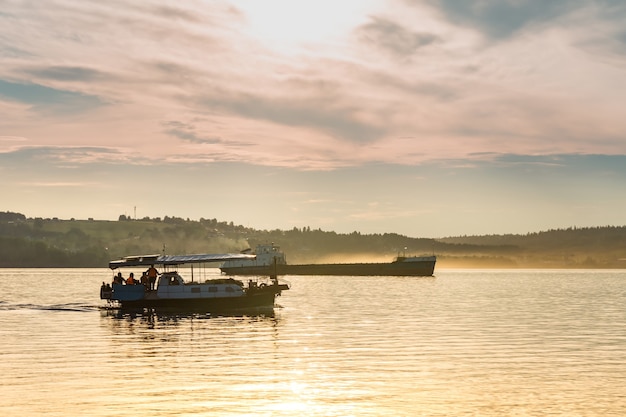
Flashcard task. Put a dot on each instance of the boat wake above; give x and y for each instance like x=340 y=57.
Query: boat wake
x=69 y=307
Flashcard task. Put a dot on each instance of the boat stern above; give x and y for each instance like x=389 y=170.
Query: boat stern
x=128 y=292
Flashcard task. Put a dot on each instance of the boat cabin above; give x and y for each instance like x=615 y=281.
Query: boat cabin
x=265 y=255
x=172 y=285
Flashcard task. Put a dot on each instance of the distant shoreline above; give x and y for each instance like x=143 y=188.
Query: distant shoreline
x=55 y=243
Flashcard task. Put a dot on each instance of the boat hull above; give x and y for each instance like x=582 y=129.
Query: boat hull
x=205 y=304
x=136 y=296
x=419 y=268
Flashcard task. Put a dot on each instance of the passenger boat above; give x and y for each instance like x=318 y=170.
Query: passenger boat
x=171 y=291
x=270 y=259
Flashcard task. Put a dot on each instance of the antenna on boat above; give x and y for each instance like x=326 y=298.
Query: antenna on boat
x=273 y=274
x=164 y=249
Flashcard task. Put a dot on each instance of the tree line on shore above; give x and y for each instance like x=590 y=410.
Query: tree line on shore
x=52 y=242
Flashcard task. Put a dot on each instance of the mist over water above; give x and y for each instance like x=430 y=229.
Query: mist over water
x=463 y=343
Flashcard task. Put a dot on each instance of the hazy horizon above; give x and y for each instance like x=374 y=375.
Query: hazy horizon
x=428 y=118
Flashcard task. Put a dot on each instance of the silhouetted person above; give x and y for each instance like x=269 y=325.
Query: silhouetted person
x=152 y=276
x=117 y=279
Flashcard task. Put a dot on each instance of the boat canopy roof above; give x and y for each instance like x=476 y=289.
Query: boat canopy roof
x=140 y=260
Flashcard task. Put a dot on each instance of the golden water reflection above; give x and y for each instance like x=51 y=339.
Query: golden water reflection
x=466 y=343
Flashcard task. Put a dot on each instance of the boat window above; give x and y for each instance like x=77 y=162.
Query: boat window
x=212 y=289
x=229 y=289
x=195 y=289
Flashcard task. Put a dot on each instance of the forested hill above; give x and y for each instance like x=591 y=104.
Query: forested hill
x=588 y=247
x=38 y=242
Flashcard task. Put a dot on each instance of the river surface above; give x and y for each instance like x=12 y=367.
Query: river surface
x=463 y=343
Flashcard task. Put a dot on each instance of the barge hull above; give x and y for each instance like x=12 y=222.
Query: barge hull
x=421 y=268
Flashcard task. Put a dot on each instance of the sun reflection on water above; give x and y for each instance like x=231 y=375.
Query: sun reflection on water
x=466 y=343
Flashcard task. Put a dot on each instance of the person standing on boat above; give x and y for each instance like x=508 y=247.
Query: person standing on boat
x=152 y=276
x=144 y=279
x=131 y=279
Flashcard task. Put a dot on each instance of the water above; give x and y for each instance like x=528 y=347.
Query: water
x=466 y=343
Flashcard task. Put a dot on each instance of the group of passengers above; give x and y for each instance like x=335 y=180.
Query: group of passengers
x=148 y=278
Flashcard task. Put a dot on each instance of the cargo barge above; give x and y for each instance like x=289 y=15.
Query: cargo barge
x=270 y=260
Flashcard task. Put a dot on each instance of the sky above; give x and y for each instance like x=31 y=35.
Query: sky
x=428 y=118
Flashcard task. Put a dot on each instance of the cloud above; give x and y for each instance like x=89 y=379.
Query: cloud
x=501 y=19
x=392 y=38
x=174 y=13
x=187 y=133
x=55 y=184
x=12 y=139
x=66 y=73
x=318 y=112
x=74 y=155
x=9 y=51
x=49 y=100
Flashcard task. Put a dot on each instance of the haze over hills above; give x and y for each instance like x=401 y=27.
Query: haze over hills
x=39 y=242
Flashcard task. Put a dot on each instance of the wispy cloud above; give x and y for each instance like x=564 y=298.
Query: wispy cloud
x=187 y=133
x=503 y=19
x=65 y=73
x=56 y=184
x=393 y=38
x=46 y=99
x=62 y=155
